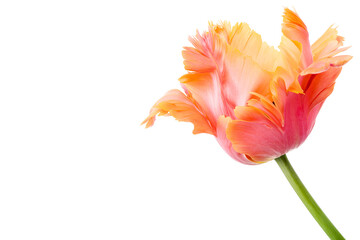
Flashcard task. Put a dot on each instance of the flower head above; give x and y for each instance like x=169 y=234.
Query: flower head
x=257 y=101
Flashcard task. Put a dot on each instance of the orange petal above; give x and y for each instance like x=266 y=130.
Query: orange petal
x=222 y=125
x=289 y=64
x=249 y=43
x=176 y=104
x=278 y=91
x=295 y=29
x=268 y=108
x=218 y=92
x=206 y=91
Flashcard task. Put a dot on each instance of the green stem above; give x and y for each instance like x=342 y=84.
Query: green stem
x=306 y=198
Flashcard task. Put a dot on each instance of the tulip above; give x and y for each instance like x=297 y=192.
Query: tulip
x=258 y=102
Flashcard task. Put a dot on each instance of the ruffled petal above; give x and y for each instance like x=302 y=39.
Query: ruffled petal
x=207 y=50
x=249 y=43
x=194 y=60
x=320 y=87
x=226 y=144
x=241 y=77
x=205 y=63
x=182 y=108
x=228 y=77
x=323 y=64
x=295 y=29
x=258 y=102
x=289 y=64
x=205 y=88
x=268 y=130
x=328 y=44
x=324 y=51
x=255 y=135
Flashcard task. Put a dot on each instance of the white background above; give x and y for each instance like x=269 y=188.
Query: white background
x=78 y=77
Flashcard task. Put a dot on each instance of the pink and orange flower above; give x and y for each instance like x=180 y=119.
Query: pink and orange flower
x=259 y=102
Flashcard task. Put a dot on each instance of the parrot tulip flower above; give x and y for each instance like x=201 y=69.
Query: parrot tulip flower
x=259 y=102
